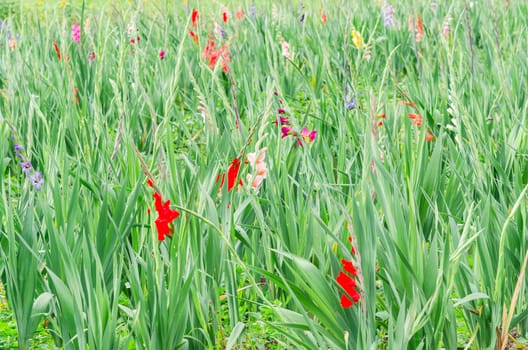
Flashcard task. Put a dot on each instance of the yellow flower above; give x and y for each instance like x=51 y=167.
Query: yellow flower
x=63 y=3
x=357 y=39
x=41 y=2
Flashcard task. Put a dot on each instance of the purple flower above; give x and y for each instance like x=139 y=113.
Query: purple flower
x=388 y=13
x=26 y=167
x=220 y=31
x=350 y=100
x=350 y=104
x=37 y=180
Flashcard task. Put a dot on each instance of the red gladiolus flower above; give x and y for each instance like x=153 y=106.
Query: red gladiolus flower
x=75 y=97
x=417 y=119
x=349 y=267
x=419 y=29
x=349 y=285
x=56 y=47
x=224 y=16
x=429 y=137
x=212 y=55
x=193 y=35
x=194 y=17
x=165 y=216
x=232 y=173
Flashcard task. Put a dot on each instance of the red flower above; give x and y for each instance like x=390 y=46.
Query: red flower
x=211 y=54
x=165 y=216
x=194 y=17
x=349 y=285
x=224 y=16
x=56 y=47
x=429 y=137
x=232 y=175
x=347 y=282
x=349 y=267
x=419 y=29
x=193 y=35
x=417 y=119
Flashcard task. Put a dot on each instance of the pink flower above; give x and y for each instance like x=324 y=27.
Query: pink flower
x=286 y=50
x=446 y=27
x=162 y=55
x=257 y=161
x=308 y=136
x=76 y=32
x=92 y=56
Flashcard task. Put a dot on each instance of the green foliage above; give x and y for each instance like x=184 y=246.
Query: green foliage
x=427 y=175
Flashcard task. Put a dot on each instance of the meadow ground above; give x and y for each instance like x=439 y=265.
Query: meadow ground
x=263 y=175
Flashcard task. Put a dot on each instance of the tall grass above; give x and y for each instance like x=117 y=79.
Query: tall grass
x=427 y=175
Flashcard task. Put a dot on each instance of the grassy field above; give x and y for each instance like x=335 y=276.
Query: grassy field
x=263 y=175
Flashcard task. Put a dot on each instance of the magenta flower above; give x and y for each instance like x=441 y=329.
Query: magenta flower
x=76 y=32
x=287 y=131
x=282 y=121
x=308 y=136
x=162 y=55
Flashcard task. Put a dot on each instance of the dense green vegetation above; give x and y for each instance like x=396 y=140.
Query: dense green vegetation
x=267 y=175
